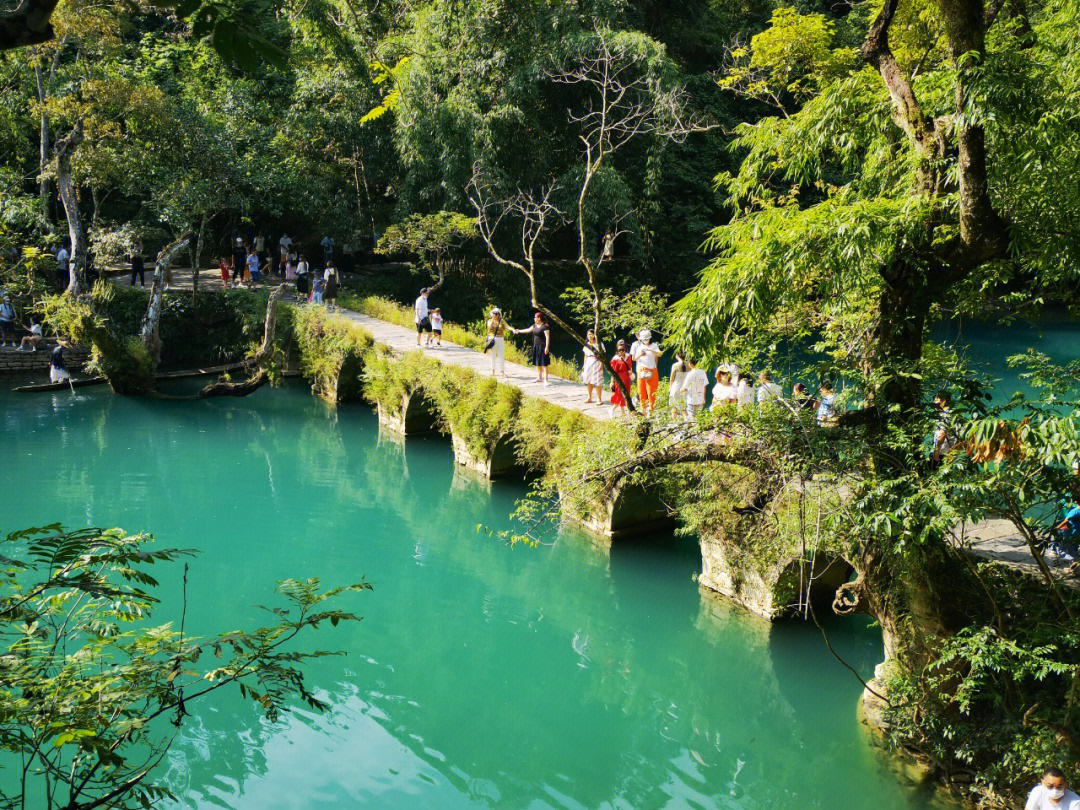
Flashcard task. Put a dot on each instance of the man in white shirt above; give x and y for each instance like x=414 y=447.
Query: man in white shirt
x=768 y=391
x=694 y=384
x=646 y=354
x=1052 y=793
x=285 y=242
x=420 y=313
x=62 y=257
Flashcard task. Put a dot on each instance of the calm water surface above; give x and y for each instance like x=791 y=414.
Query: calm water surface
x=482 y=675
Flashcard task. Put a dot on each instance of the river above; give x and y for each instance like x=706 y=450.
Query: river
x=562 y=675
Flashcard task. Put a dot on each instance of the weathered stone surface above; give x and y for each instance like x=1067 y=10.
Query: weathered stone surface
x=500 y=462
x=778 y=590
x=416 y=416
x=16 y=362
x=630 y=509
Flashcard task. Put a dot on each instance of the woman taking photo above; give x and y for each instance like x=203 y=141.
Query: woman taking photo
x=592 y=372
x=541 y=348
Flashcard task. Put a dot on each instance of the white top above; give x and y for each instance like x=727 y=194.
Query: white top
x=744 y=393
x=436 y=322
x=1039 y=800
x=329 y=271
x=768 y=392
x=285 y=243
x=420 y=308
x=722 y=392
x=327 y=241
x=302 y=269
x=645 y=354
x=678 y=383
x=260 y=244
x=62 y=257
x=695 y=384
x=35 y=329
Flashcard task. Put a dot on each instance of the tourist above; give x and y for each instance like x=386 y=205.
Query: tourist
x=1065 y=537
x=8 y=317
x=58 y=370
x=724 y=392
x=317 y=286
x=826 y=412
x=303 y=279
x=646 y=354
x=620 y=367
x=677 y=391
x=62 y=257
x=34 y=338
x=436 y=326
x=694 y=385
x=285 y=244
x=496 y=329
x=944 y=438
x=223 y=267
x=420 y=316
x=768 y=391
x=745 y=395
x=541 y=348
x=1052 y=793
x=803 y=400
x=608 y=249
x=137 y=266
x=253 y=267
x=330 y=284
x=239 y=256
x=328 y=249
x=592 y=370
x=290 y=267
x=260 y=248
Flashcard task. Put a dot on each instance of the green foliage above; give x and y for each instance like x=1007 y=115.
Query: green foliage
x=389 y=378
x=620 y=314
x=92 y=693
x=325 y=344
x=479 y=410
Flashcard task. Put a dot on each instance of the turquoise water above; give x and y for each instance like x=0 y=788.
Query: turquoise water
x=482 y=675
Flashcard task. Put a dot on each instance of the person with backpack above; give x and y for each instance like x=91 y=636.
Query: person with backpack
x=330 y=284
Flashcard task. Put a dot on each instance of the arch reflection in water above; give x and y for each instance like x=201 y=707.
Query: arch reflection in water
x=482 y=675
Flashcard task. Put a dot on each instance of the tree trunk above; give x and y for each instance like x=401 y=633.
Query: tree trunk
x=259 y=362
x=148 y=331
x=76 y=232
x=43 y=157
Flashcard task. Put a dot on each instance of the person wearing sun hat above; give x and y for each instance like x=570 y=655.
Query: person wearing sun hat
x=647 y=355
x=496 y=343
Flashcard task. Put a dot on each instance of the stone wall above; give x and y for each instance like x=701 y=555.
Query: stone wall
x=16 y=362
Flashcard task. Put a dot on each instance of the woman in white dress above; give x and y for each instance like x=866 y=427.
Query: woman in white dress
x=592 y=372
x=677 y=391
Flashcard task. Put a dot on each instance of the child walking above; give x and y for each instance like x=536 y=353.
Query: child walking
x=436 y=326
x=317 y=289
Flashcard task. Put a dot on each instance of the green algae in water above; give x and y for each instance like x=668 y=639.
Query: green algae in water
x=482 y=675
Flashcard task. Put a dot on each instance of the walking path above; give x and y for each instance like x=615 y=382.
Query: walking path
x=564 y=393
x=994 y=540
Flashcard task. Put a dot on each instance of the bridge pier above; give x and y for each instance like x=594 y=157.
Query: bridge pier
x=629 y=509
x=500 y=461
x=780 y=589
x=415 y=415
